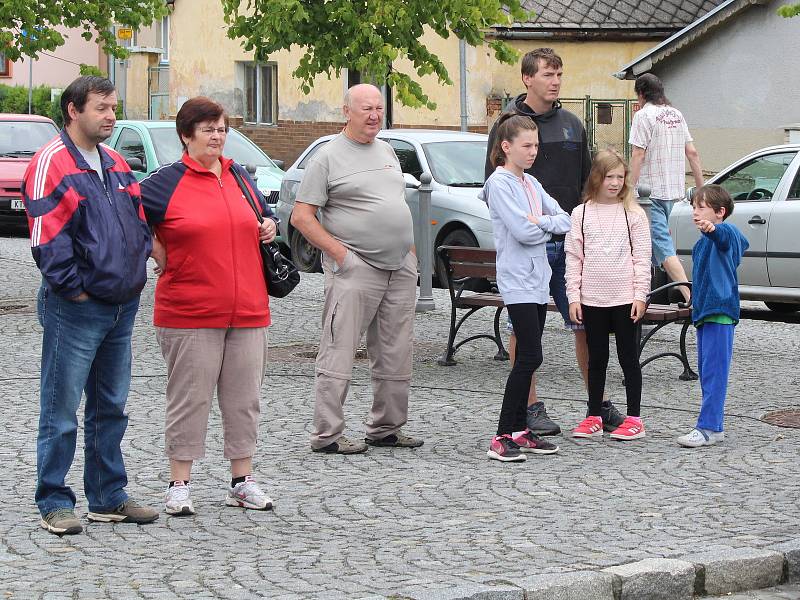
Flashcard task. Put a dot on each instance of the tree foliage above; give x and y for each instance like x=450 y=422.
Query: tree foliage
x=369 y=35
x=789 y=10
x=28 y=27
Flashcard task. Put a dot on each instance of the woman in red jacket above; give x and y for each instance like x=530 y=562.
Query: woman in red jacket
x=211 y=305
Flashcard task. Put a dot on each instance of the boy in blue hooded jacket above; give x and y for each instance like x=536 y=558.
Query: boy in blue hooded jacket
x=715 y=307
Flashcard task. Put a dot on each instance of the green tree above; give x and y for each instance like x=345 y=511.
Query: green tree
x=789 y=10
x=28 y=27
x=369 y=35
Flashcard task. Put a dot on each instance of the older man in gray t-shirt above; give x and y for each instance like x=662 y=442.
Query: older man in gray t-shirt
x=366 y=236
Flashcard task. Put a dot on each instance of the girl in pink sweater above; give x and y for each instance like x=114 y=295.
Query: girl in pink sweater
x=608 y=278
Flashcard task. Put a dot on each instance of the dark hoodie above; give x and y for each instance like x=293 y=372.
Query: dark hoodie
x=563 y=163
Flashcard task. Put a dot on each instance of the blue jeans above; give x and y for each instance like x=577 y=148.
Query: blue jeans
x=714 y=353
x=662 y=245
x=86 y=347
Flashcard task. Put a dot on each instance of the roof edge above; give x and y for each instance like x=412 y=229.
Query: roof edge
x=684 y=37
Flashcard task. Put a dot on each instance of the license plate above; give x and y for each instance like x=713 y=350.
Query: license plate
x=16 y=204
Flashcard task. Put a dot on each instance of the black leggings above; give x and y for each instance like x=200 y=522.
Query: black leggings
x=528 y=320
x=599 y=321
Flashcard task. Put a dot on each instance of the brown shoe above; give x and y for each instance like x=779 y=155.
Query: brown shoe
x=128 y=512
x=342 y=446
x=396 y=440
x=62 y=521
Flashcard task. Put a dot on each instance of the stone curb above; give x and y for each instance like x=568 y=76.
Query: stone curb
x=718 y=572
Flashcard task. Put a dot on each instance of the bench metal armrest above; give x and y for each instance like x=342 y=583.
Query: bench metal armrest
x=669 y=286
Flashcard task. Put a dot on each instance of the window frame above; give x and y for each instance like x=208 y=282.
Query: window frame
x=5 y=66
x=746 y=165
x=261 y=68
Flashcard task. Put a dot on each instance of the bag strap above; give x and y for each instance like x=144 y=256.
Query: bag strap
x=246 y=191
x=627 y=225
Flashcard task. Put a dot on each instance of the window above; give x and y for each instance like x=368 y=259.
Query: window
x=260 y=93
x=457 y=163
x=5 y=65
x=794 y=191
x=162 y=36
x=757 y=179
x=129 y=145
x=407 y=155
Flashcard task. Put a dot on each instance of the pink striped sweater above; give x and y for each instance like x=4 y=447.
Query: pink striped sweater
x=601 y=268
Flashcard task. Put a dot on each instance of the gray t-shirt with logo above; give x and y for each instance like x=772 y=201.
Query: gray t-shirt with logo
x=361 y=194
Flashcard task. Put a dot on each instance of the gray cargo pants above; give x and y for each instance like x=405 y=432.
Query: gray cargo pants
x=359 y=298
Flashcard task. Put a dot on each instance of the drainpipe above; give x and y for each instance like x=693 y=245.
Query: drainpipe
x=462 y=63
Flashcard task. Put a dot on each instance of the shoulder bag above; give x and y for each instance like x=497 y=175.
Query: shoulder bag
x=279 y=272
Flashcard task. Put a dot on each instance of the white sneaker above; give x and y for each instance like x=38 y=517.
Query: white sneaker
x=247 y=494
x=177 y=500
x=701 y=437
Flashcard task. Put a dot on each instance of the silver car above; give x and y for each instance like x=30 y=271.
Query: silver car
x=455 y=161
x=765 y=187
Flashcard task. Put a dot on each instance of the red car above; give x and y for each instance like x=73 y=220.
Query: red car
x=20 y=137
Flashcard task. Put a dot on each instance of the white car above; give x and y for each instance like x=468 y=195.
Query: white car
x=765 y=186
x=455 y=161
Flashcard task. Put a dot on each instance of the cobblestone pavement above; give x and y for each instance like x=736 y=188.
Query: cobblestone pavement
x=402 y=522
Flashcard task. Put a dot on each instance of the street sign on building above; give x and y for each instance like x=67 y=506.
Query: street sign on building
x=125 y=33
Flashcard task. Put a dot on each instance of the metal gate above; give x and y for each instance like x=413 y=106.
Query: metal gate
x=158 y=85
x=607 y=122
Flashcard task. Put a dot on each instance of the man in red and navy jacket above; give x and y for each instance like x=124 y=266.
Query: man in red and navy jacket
x=91 y=243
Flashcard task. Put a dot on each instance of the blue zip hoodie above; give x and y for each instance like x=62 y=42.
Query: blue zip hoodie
x=715 y=286
x=523 y=272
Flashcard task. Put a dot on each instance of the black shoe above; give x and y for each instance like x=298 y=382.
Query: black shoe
x=396 y=440
x=342 y=446
x=538 y=421
x=612 y=418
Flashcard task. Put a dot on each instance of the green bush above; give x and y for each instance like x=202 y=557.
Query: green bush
x=14 y=99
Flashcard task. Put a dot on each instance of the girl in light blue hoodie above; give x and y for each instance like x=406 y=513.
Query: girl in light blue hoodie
x=524 y=217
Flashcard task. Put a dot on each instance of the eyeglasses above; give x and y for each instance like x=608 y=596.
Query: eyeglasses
x=213 y=130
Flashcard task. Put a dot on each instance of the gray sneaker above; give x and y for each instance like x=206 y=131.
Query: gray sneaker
x=342 y=446
x=62 y=521
x=538 y=421
x=612 y=418
x=129 y=511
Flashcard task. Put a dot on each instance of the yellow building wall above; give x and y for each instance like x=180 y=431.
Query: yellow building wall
x=210 y=68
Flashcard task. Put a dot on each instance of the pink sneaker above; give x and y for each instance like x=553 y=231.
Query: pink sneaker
x=590 y=427
x=531 y=442
x=629 y=430
x=504 y=449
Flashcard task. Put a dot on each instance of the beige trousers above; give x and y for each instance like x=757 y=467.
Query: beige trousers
x=232 y=361
x=360 y=298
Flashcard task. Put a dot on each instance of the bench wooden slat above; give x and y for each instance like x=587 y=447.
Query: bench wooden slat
x=472 y=270
x=465 y=254
x=482 y=299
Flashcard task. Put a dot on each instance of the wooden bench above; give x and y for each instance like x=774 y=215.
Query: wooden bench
x=462 y=263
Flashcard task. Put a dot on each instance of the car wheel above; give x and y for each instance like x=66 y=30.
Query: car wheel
x=459 y=237
x=782 y=307
x=305 y=257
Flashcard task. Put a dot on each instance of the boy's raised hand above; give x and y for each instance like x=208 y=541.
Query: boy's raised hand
x=637 y=310
x=704 y=225
x=576 y=313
